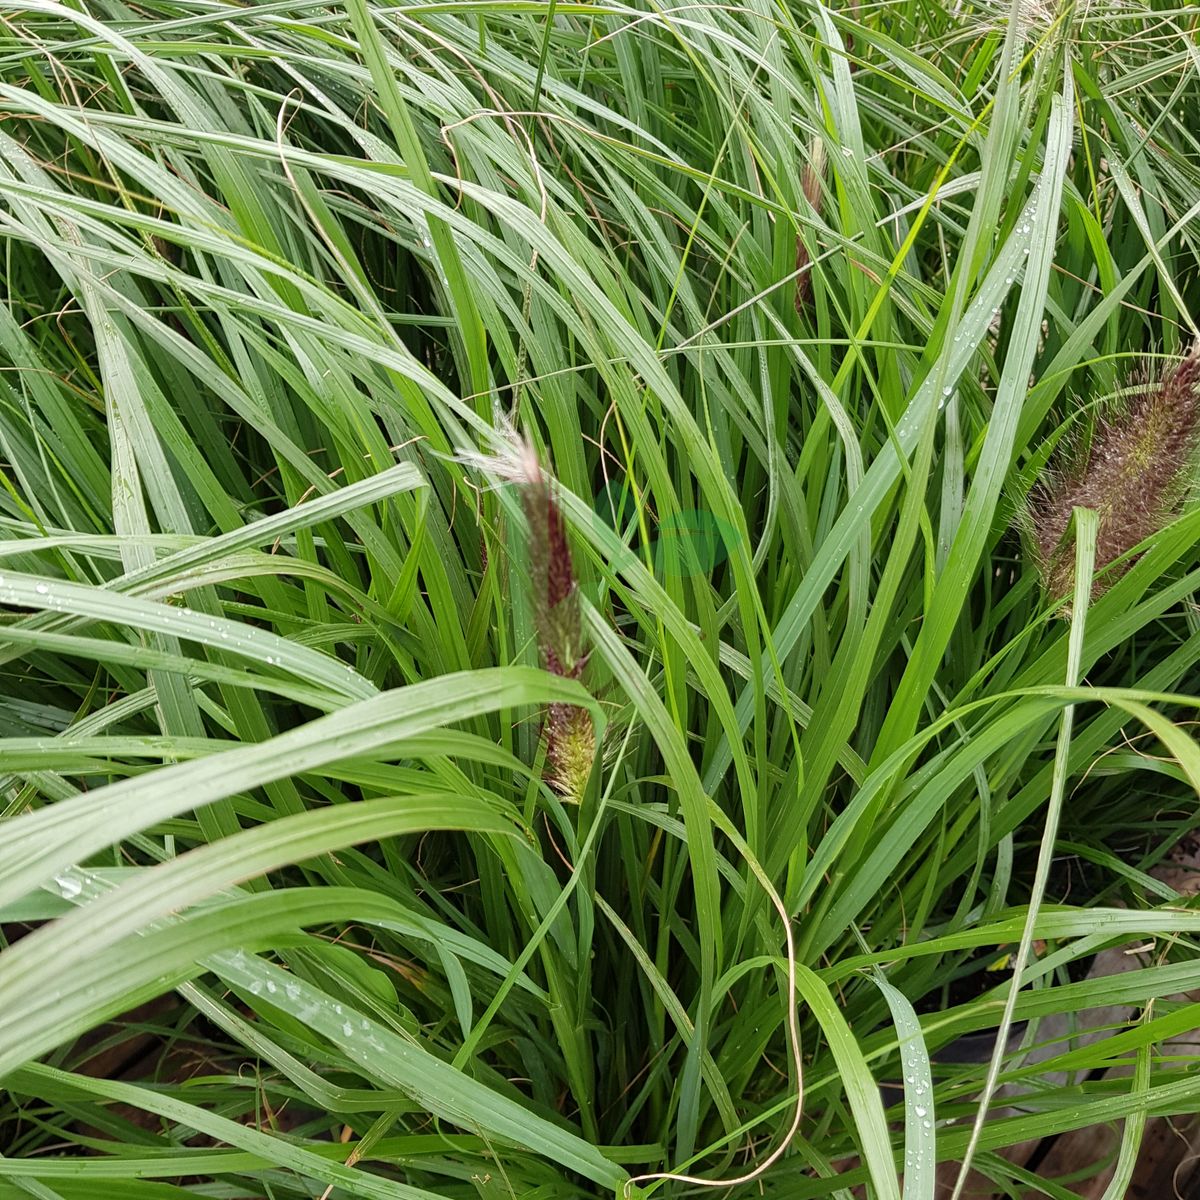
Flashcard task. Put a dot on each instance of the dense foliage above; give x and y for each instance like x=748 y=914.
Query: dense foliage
x=797 y=307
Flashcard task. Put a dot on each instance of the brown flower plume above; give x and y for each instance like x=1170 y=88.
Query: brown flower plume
x=810 y=185
x=570 y=736
x=1134 y=475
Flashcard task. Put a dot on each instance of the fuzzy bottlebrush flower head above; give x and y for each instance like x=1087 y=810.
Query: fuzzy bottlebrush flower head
x=810 y=184
x=1134 y=474
x=570 y=737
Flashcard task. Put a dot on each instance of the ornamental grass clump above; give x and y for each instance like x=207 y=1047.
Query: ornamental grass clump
x=554 y=592
x=1135 y=473
x=263 y=266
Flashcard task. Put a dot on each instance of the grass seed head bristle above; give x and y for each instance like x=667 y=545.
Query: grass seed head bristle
x=514 y=460
x=1134 y=474
x=570 y=749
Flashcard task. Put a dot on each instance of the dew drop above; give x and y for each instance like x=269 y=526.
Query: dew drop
x=292 y=991
x=920 y=1110
x=926 y=1125
x=41 y=589
x=348 y=1029
x=68 y=886
x=255 y=987
x=271 y=986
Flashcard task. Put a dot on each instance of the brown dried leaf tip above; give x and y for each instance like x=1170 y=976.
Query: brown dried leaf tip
x=570 y=736
x=1135 y=473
